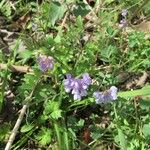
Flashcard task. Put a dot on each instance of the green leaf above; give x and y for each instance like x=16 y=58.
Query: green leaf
x=81 y=9
x=49 y=39
x=142 y=92
x=109 y=1
x=5 y=8
x=51 y=106
x=111 y=31
x=25 y=54
x=27 y=128
x=96 y=133
x=56 y=114
x=44 y=136
x=1 y=101
x=4 y=131
x=2 y=3
x=80 y=123
x=57 y=39
x=107 y=53
x=146 y=88
x=79 y=22
x=145 y=102
x=54 y=11
x=29 y=82
x=146 y=130
x=52 y=109
x=122 y=140
x=147 y=8
x=66 y=141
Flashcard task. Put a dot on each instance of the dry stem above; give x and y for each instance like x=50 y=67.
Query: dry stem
x=16 y=127
x=15 y=68
x=19 y=120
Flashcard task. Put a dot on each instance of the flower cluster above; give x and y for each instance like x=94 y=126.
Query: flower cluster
x=123 y=21
x=124 y=12
x=107 y=96
x=78 y=87
x=45 y=62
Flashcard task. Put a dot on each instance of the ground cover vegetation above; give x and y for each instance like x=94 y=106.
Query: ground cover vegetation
x=74 y=74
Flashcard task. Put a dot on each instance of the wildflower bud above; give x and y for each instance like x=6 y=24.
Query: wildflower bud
x=123 y=22
x=107 y=96
x=124 y=12
x=45 y=62
x=77 y=87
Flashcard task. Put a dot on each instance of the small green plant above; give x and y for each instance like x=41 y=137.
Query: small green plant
x=65 y=82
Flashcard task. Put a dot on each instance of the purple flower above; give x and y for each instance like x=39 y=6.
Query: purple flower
x=77 y=87
x=123 y=23
x=86 y=81
x=45 y=62
x=107 y=96
x=124 y=12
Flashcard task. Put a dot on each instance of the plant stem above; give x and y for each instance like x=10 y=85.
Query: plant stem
x=19 y=120
x=16 y=127
x=15 y=68
x=2 y=88
x=58 y=134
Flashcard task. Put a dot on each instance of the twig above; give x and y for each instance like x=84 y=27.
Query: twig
x=16 y=127
x=19 y=120
x=64 y=20
x=63 y=23
x=15 y=68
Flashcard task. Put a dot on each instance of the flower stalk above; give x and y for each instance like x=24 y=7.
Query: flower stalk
x=20 y=118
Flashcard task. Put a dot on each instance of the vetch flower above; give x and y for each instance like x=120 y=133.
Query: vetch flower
x=124 y=12
x=107 y=96
x=86 y=81
x=123 y=22
x=45 y=62
x=68 y=83
x=77 y=87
